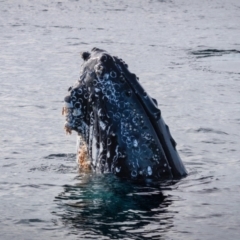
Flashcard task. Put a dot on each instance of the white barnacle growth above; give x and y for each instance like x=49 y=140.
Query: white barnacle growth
x=134 y=173
x=135 y=143
x=149 y=171
x=113 y=74
x=97 y=90
x=106 y=76
x=76 y=112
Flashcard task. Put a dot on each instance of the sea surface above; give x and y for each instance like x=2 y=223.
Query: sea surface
x=187 y=56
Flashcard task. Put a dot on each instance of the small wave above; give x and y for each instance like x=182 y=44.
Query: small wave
x=60 y=155
x=58 y=168
x=209 y=130
x=28 y=221
x=15 y=153
x=52 y=166
x=38 y=26
x=16 y=25
x=222 y=61
x=66 y=27
x=214 y=141
x=208 y=190
x=194 y=182
x=117 y=10
x=9 y=165
x=30 y=186
x=38 y=186
x=187 y=151
x=37 y=106
x=213 y=52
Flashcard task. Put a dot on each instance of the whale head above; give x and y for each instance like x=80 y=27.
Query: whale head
x=119 y=126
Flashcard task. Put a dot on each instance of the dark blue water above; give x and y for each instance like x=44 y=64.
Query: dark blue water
x=187 y=56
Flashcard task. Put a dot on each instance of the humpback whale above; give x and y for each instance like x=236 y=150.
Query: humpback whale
x=119 y=126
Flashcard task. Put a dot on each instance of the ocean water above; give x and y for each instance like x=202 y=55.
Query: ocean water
x=187 y=56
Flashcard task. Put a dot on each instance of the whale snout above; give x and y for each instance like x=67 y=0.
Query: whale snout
x=119 y=126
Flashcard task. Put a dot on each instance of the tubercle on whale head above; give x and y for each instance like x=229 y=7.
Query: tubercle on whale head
x=85 y=55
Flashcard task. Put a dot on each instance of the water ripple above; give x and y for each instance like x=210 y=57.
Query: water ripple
x=213 y=52
x=111 y=207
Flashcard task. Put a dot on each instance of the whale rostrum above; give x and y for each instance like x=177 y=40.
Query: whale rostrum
x=120 y=127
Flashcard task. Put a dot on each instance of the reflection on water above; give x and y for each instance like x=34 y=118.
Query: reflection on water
x=115 y=208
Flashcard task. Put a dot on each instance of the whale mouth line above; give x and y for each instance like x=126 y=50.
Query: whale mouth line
x=120 y=128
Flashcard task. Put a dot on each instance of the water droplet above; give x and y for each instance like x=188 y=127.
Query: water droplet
x=135 y=143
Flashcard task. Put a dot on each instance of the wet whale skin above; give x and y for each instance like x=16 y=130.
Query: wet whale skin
x=120 y=127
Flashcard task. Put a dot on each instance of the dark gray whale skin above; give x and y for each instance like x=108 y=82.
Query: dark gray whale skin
x=119 y=124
